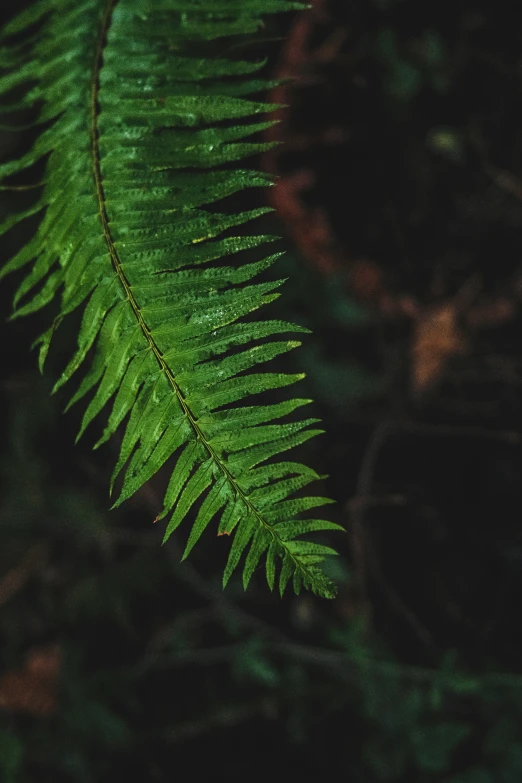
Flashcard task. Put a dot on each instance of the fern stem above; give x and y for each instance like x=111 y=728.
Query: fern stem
x=117 y=265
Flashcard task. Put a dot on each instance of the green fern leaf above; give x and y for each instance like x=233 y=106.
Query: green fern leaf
x=137 y=107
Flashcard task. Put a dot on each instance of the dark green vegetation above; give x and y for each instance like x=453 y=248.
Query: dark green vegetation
x=116 y=659
x=136 y=114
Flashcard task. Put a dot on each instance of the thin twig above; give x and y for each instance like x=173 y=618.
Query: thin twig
x=357 y=505
x=449 y=430
x=187 y=573
x=229 y=716
x=15 y=579
x=363 y=552
x=344 y=665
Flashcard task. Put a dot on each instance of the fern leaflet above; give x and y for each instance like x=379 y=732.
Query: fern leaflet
x=136 y=117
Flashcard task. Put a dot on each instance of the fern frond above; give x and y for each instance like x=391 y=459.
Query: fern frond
x=135 y=114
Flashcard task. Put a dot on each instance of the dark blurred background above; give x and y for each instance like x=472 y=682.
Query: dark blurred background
x=399 y=199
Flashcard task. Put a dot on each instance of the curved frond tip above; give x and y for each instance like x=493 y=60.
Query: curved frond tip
x=137 y=117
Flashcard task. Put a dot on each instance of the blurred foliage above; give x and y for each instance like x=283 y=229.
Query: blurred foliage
x=118 y=660
x=157 y=664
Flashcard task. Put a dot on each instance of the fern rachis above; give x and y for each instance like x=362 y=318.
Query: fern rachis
x=129 y=231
